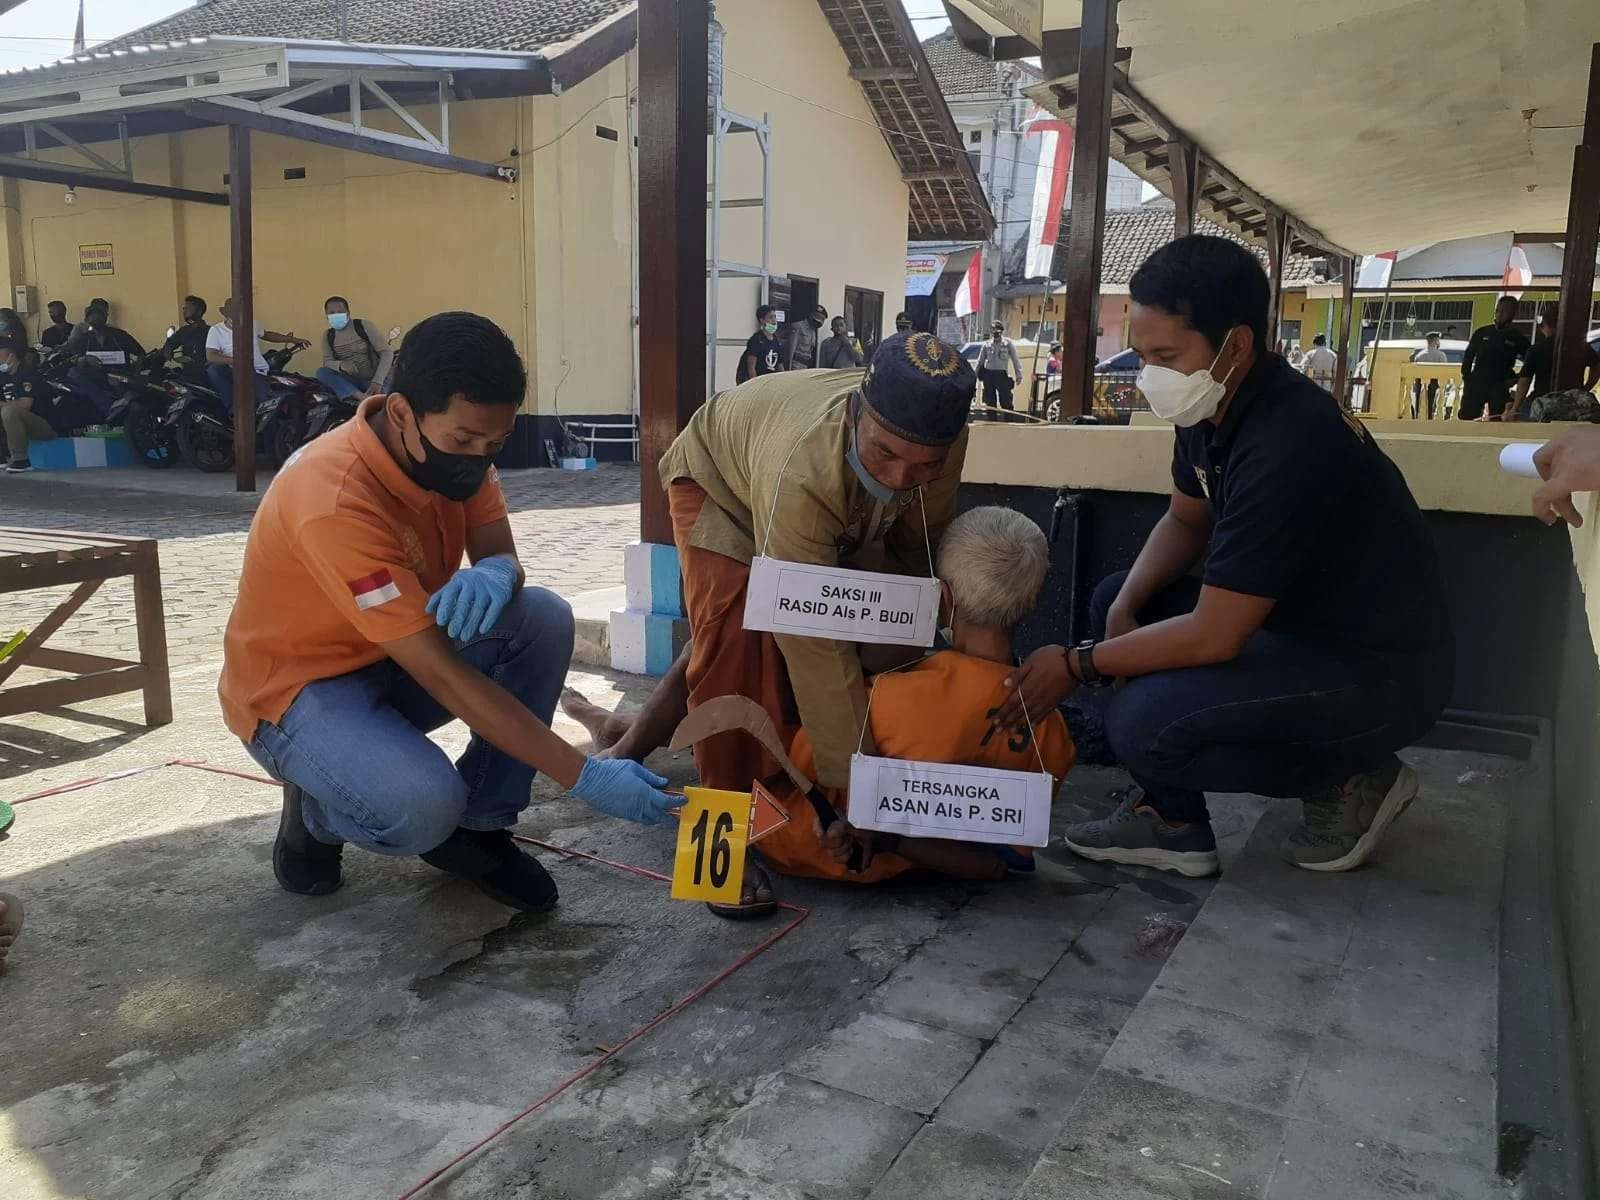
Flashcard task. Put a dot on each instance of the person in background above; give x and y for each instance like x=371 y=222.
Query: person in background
x=12 y=325
x=902 y=323
x=998 y=368
x=1320 y=363
x=1450 y=332
x=763 y=353
x=187 y=341
x=59 y=330
x=1313 y=639
x=1490 y=364
x=1052 y=365
x=96 y=337
x=804 y=337
x=356 y=626
x=219 y=352
x=1432 y=353
x=29 y=411
x=1538 y=368
x=356 y=358
x=839 y=352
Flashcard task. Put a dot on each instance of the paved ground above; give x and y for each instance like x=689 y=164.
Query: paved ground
x=570 y=530
x=178 y=1027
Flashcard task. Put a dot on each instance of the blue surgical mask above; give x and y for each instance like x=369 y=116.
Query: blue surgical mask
x=338 y=320
x=878 y=491
x=5 y=368
x=769 y=329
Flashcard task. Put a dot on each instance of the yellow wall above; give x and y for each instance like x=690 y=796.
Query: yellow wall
x=839 y=206
x=549 y=258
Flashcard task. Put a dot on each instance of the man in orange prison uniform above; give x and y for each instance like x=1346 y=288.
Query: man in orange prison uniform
x=992 y=564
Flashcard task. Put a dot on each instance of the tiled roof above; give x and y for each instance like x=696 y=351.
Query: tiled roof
x=959 y=71
x=458 y=24
x=1133 y=234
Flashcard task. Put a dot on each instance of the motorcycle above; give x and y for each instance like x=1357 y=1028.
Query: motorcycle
x=148 y=393
x=202 y=421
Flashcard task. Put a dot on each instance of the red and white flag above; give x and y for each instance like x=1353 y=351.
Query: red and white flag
x=1518 y=274
x=1375 y=270
x=970 y=293
x=1049 y=192
x=375 y=589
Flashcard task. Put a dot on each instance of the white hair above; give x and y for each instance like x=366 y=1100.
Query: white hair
x=994 y=561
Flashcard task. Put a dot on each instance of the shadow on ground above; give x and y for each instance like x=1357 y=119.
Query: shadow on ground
x=58 y=736
x=181 y=1027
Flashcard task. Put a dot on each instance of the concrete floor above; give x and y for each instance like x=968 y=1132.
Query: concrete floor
x=176 y=1026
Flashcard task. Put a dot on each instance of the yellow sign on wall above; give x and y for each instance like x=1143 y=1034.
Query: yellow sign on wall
x=96 y=259
x=713 y=829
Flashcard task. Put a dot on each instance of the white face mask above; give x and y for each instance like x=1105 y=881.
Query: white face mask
x=1184 y=399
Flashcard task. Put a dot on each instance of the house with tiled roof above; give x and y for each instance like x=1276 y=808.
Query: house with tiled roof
x=1031 y=307
x=421 y=155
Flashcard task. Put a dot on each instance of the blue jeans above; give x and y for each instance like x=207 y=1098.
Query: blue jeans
x=357 y=744
x=220 y=379
x=340 y=383
x=1286 y=718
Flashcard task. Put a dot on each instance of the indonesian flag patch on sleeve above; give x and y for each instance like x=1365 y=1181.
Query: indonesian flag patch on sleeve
x=375 y=589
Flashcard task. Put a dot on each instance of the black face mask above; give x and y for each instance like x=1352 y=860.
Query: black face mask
x=453 y=476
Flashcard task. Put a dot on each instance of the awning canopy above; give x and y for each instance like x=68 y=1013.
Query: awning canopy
x=51 y=117
x=1377 y=123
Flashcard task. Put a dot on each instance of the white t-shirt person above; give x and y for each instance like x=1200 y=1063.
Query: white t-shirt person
x=220 y=339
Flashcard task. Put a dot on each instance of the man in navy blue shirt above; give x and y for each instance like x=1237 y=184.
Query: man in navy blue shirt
x=1313 y=642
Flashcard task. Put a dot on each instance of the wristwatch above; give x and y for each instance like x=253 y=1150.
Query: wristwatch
x=1086 y=674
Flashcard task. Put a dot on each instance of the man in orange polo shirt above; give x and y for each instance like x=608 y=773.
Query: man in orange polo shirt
x=357 y=631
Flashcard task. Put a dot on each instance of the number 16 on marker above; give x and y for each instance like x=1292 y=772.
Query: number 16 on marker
x=713 y=830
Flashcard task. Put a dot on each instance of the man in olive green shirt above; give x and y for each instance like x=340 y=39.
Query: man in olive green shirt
x=831 y=468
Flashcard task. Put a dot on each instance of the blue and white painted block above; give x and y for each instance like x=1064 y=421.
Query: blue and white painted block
x=651 y=579
x=68 y=453
x=642 y=642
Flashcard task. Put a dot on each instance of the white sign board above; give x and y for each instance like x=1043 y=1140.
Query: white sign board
x=111 y=358
x=836 y=602
x=964 y=804
x=1022 y=17
x=922 y=273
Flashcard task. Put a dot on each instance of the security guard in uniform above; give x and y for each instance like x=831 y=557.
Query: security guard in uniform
x=29 y=406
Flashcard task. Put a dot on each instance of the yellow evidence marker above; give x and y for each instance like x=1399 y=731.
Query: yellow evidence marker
x=713 y=830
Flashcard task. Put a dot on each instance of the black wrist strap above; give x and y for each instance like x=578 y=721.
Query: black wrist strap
x=1066 y=656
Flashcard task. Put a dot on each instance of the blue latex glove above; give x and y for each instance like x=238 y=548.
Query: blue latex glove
x=623 y=788
x=470 y=604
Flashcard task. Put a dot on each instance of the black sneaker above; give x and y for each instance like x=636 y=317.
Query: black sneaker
x=1135 y=835
x=302 y=864
x=18 y=466
x=1343 y=826
x=490 y=859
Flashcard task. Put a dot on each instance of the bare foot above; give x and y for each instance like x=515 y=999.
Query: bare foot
x=10 y=924
x=605 y=729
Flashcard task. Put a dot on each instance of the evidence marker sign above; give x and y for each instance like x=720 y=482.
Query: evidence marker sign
x=836 y=602
x=964 y=804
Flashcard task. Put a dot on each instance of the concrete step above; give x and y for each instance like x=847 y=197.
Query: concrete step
x=591 y=621
x=1316 y=1035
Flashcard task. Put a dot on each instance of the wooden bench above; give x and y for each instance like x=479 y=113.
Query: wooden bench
x=42 y=558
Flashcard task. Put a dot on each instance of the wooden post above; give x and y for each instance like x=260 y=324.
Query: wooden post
x=1583 y=234
x=1097 y=49
x=244 y=310
x=1188 y=171
x=1277 y=250
x=1347 y=301
x=672 y=238
x=151 y=625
